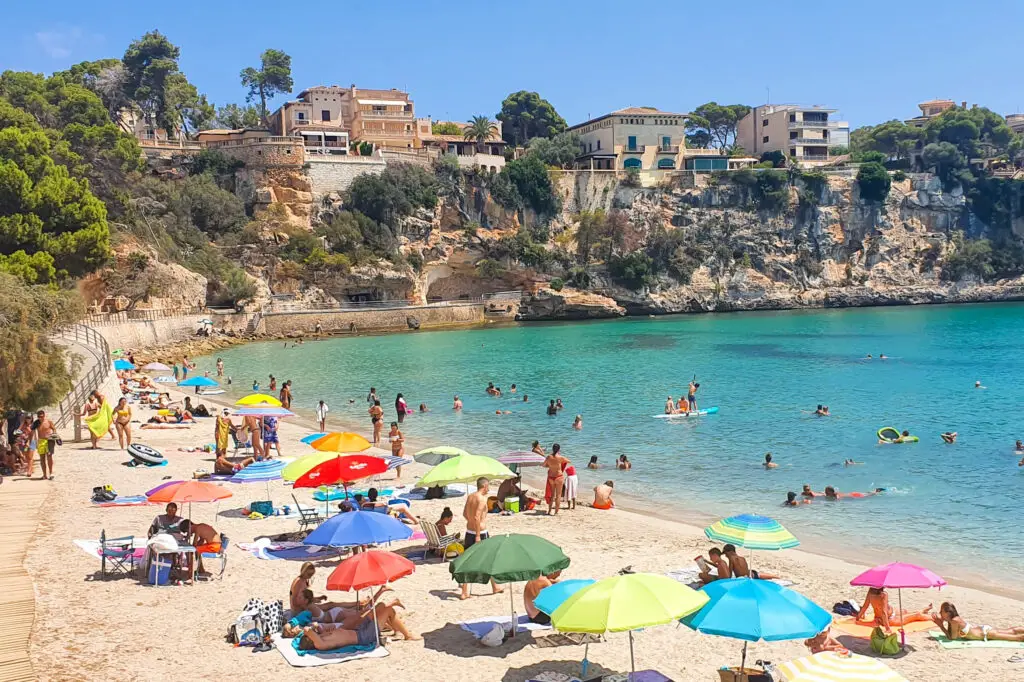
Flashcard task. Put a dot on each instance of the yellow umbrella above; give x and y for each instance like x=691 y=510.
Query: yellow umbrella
x=829 y=666
x=259 y=399
x=340 y=441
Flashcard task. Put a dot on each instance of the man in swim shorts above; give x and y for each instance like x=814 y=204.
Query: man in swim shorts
x=691 y=395
x=530 y=592
x=738 y=565
x=475 y=513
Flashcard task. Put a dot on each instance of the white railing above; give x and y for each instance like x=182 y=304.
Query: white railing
x=808 y=124
x=92 y=340
x=816 y=141
x=106 y=319
x=386 y=114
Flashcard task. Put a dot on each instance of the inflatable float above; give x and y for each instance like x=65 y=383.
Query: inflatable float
x=143 y=454
x=696 y=413
x=888 y=434
x=212 y=391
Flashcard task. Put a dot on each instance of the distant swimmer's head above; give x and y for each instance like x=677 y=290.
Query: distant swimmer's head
x=906 y=433
x=593 y=459
x=790 y=497
x=830 y=491
x=819 y=407
x=1020 y=445
x=767 y=458
x=490 y=384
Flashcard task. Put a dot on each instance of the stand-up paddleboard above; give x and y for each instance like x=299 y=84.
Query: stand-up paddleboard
x=144 y=454
x=212 y=391
x=697 y=413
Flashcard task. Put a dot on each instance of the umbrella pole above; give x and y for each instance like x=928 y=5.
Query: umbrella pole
x=512 y=603
x=632 y=662
x=586 y=663
x=743 y=662
x=903 y=633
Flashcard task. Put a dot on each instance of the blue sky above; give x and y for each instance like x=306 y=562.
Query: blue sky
x=871 y=60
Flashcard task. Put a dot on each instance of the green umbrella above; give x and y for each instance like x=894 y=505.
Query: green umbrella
x=465 y=469
x=506 y=559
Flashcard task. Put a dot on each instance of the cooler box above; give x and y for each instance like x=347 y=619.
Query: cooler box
x=512 y=504
x=160 y=570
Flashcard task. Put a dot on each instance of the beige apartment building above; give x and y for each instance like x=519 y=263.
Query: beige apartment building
x=644 y=138
x=488 y=154
x=929 y=110
x=318 y=117
x=804 y=134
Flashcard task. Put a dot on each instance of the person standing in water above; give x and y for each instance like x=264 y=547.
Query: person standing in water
x=377 y=419
x=691 y=395
x=457 y=404
x=555 y=463
x=400 y=407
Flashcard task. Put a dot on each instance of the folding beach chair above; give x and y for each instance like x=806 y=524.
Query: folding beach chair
x=222 y=555
x=437 y=543
x=307 y=517
x=246 y=446
x=120 y=552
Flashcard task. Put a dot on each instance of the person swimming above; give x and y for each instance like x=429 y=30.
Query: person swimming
x=791 y=500
x=822 y=411
x=768 y=463
x=832 y=494
x=977 y=384
x=807 y=492
x=850 y=463
x=949 y=437
x=1020 y=446
x=578 y=423
x=592 y=464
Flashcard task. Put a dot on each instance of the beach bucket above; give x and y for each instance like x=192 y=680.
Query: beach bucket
x=160 y=572
x=512 y=504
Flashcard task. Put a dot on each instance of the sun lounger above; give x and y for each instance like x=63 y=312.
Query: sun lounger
x=309 y=659
x=972 y=643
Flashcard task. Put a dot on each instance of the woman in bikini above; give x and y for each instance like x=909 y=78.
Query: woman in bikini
x=878 y=600
x=555 y=463
x=955 y=627
x=377 y=419
x=397 y=446
x=122 y=422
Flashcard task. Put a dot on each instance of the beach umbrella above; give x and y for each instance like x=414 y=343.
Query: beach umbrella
x=340 y=441
x=508 y=558
x=156 y=367
x=627 y=602
x=311 y=437
x=261 y=411
x=264 y=471
x=464 y=469
x=752 y=610
x=198 y=381
x=751 y=532
x=552 y=596
x=831 y=666
x=353 y=529
x=342 y=469
x=436 y=455
x=188 y=491
x=368 y=569
x=394 y=462
x=254 y=399
x=521 y=458
x=898 y=575
x=122 y=365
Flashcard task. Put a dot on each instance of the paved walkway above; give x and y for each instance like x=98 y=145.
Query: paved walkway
x=20 y=501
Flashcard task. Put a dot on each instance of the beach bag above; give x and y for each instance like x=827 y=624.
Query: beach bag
x=249 y=628
x=264 y=507
x=844 y=608
x=888 y=645
x=103 y=493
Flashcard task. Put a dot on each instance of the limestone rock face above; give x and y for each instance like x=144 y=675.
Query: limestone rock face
x=567 y=304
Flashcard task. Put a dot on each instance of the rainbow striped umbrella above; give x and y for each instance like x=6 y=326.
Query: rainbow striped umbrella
x=751 y=532
x=829 y=666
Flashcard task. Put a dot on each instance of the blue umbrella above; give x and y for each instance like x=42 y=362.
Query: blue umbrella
x=312 y=437
x=358 y=528
x=122 y=365
x=198 y=381
x=258 y=472
x=551 y=597
x=752 y=610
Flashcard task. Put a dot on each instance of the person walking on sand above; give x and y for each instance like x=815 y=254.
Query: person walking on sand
x=397 y=446
x=572 y=485
x=270 y=438
x=475 y=513
x=123 y=423
x=377 y=419
x=321 y=414
x=555 y=463
x=45 y=433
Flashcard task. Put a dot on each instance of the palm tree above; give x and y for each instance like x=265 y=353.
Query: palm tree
x=480 y=129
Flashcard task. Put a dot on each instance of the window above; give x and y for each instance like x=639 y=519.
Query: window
x=631 y=163
x=666 y=163
x=765 y=139
x=325 y=115
x=599 y=145
x=631 y=143
x=300 y=115
x=792 y=151
x=764 y=123
x=666 y=142
x=792 y=135
x=792 y=118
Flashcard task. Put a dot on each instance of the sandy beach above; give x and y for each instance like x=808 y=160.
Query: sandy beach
x=89 y=629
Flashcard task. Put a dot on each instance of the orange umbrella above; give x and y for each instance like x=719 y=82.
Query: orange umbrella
x=341 y=442
x=190 y=491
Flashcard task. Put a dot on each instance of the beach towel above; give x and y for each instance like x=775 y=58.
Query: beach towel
x=100 y=422
x=294 y=551
x=850 y=626
x=127 y=501
x=946 y=643
x=449 y=491
x=565 y=639
x=317 y=658
x=92 y=547
x=135 y=463
x=165 y=426
x=479 y=627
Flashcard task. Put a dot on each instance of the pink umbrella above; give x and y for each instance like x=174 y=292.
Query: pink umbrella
x=898 y=575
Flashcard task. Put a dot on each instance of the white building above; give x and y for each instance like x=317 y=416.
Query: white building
x=636 y=137
x=804 y=134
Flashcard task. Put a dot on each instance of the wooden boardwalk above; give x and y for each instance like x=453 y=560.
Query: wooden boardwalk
x=20 y=501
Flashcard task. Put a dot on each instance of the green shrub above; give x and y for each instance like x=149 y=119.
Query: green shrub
x=632 y=178
x=874 y=182
x=556 y=284
x=971 y=257
x=635 y=269
x=899 y=176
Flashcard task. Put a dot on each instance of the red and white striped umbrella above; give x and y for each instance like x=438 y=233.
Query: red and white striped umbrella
x=521 y=458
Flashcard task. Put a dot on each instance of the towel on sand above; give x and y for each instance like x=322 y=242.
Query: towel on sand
x=972 y=643
x=92 y=547
x=124 y=501
x=456 y=490
x=317 y=658
x=849 y=626
x=479 y=627
x=265 y=549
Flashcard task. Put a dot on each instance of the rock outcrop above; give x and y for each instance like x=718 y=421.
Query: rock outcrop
x=567 y=304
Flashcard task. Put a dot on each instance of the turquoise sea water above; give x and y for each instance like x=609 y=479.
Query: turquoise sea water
x=951 y=506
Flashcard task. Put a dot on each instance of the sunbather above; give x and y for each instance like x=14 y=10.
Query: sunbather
x=823 y=641
x=324 y=637
x=740 y=569
x=955 y=627
x=885 y=617
x=223 y=465
x=206 y=540
x=299 y=600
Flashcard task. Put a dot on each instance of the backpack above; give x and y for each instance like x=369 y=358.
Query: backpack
x=888 y=645
x=103 y=493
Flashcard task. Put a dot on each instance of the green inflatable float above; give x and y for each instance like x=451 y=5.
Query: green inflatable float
x=888 y=434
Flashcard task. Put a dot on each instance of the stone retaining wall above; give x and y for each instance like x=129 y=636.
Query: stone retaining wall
x=390 y=320
x=148 y=333
x=334 y=174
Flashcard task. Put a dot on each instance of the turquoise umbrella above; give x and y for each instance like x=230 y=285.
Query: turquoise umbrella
x=751 y=610
x=121 y=365
x=198 y=381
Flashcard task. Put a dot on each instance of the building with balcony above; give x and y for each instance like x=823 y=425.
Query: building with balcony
x=489 y=154
x=644 y=138
x=382 y=118
x=318 y=117
x=709 y=160
x=929 y=110
x=803 y=134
